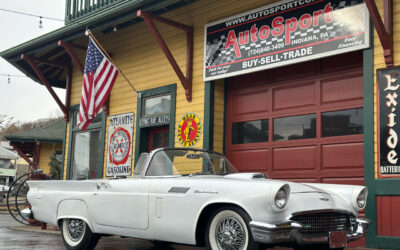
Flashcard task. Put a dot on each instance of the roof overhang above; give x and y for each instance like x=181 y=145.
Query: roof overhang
x=120 y=15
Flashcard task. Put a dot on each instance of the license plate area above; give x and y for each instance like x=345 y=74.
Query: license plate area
x=337 y=239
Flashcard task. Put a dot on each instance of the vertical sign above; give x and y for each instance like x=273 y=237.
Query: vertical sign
x=284 y=33
x=389 y=114
x=119 y=153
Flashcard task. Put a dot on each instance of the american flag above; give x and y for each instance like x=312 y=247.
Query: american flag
x=98 y=79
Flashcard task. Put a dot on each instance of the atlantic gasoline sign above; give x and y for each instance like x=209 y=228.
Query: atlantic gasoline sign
x=389 y=114
x=283 y=33
x=119 y=153
x=189 y=130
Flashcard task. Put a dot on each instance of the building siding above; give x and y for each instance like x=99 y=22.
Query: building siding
x=379 y=61
x=385 y=193
x=136 y=52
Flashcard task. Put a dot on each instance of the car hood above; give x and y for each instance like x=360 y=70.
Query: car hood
x=294 y=187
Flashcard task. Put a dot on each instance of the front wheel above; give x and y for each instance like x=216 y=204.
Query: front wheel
x=77 y=235
x=228 y=228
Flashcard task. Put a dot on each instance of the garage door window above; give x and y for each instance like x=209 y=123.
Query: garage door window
x=342 y=122
x=250 y=132
x=295 y=127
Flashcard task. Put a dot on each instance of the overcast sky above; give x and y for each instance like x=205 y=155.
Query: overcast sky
x=23 y=98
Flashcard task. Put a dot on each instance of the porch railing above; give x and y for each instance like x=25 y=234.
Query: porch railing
x=75 y=9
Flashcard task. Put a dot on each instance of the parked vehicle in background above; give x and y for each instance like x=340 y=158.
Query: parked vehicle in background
x=3 y=191
x=196 y=197
x=4 y=188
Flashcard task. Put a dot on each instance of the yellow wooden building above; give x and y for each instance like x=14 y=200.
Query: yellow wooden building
x=287 y=88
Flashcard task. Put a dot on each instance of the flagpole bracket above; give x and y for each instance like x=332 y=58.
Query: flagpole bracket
x=383 y=29
x=185 y=80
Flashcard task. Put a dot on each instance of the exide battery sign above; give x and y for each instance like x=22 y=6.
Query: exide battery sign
x=284 y=33
x=389 y=133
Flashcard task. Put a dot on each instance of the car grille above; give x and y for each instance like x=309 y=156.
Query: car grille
x=320 y=224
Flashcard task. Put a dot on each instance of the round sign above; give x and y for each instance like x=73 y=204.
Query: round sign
x=189 y=130
x=120 y=143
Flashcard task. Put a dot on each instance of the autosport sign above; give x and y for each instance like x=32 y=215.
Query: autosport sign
x=389 y=114
x=284 y=33
x=119 y=156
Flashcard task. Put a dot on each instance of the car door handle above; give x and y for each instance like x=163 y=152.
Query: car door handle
x=102 y=185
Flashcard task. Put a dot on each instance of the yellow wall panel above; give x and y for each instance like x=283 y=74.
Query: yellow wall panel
x=45 y=152
x=219 y=95
x=66 y=152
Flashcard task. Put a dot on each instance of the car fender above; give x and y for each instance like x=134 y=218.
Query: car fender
x=74 y=208
x=201 y=223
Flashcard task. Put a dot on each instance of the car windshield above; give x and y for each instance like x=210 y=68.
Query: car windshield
x=169 y=162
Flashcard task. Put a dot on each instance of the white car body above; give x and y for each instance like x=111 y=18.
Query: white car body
x=175 y=208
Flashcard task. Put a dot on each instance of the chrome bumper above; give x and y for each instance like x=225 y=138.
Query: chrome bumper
x=27 y=213
x=289 y=232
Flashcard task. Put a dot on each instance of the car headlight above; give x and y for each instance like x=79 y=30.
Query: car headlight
x=362 y=198
x=281 y=198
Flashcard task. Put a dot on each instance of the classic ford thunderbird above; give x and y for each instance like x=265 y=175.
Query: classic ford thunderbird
x=197 y=197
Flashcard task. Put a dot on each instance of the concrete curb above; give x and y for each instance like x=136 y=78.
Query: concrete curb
x=37 y=229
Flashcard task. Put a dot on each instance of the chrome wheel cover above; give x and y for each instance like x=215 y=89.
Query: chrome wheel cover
x=75 y=229
x=230 y=234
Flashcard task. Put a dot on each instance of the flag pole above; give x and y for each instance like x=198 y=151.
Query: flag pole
x=109 y=57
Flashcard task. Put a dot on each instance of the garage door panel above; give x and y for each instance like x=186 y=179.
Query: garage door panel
x=294 y=158
x=247 y=103
x=296 y=71
x=340 y=89
x=329 y=91
x=343 y=155
x=346 y=61
x=258 y=162
x=347 y=181
x=294 y=96
x=250 y=80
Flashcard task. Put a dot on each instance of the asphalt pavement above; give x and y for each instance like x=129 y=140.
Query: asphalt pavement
x=14 y=235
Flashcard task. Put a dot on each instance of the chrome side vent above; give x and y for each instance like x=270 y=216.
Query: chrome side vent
x=178 y=190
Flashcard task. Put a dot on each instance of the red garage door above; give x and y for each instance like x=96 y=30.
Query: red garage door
x=301 y=123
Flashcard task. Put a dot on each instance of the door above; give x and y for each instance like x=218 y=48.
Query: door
x=120 y=203
x=158 y=137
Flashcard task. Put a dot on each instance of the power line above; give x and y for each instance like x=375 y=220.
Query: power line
x=32 y=15
x=10 y=75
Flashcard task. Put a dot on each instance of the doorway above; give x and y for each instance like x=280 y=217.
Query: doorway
x=158 y=137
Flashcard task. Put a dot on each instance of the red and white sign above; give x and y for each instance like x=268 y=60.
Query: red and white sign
x=119 y=152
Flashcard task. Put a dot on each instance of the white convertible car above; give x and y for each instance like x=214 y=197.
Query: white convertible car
x=196 y=197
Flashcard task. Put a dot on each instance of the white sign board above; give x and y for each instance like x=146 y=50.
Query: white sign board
x=119 y=150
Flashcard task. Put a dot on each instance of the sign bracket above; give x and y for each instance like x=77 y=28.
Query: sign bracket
x=384 y=29
x=185 y=80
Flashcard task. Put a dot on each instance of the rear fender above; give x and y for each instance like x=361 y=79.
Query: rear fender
x=76 y=209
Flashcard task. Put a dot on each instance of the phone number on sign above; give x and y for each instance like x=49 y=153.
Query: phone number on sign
x=267 y=48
